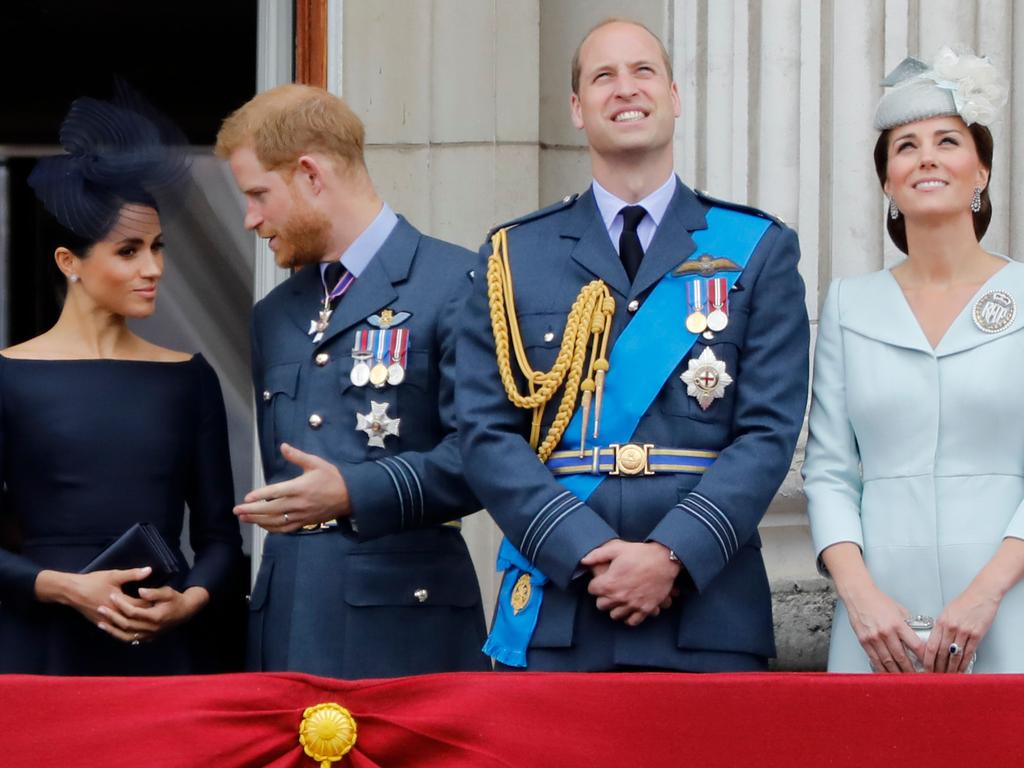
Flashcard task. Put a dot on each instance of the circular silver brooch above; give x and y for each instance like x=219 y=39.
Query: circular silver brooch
x=994 y=312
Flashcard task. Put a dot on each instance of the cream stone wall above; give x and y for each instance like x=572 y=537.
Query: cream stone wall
x=466 y=108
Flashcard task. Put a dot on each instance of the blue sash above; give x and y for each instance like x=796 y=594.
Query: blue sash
x=655 y=340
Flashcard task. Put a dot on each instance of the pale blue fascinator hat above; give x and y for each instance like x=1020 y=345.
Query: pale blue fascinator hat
x=956 y=83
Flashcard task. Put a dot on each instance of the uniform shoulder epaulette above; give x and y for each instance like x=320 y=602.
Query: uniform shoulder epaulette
x=562 y=204
x=705 y=197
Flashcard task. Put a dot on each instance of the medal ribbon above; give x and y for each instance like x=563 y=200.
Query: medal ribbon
x=651 y=343
x=695 y=296
x=718 y=293
x=399 y=345
x=382 y=338
x=343 y=284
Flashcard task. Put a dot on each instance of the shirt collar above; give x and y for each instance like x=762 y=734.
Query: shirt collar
x=655 y=203
x=364 y=248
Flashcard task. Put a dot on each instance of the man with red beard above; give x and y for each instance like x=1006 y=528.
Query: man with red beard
x=353 y=367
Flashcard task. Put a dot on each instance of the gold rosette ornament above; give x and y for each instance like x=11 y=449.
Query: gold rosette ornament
x=327 y=733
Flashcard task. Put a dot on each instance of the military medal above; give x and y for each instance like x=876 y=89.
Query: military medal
x=377 y=425
x=379 y=375
x=399 y=347
x=379 y=371
x=360 y=373
x=994 y=312
x=696 y=320
x=718 y=317
x=318 y=326
x=706 y=378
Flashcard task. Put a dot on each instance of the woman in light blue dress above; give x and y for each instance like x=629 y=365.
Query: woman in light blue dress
x=915 y=464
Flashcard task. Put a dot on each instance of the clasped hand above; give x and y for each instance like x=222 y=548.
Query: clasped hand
x=632 y=580
x=317 y=495
x=100 y=598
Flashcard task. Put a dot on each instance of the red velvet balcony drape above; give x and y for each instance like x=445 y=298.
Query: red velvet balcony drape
x=519 y=720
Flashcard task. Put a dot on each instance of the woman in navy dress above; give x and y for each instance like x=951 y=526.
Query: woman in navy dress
x=102 y=429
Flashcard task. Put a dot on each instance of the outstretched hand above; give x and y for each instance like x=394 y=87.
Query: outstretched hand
x=317 y=495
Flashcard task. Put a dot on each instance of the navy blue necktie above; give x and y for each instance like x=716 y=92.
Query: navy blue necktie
x=630 y=250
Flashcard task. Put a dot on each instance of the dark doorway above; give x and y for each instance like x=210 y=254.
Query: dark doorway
x=194 y=60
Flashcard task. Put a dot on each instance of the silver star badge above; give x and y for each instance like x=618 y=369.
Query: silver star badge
x=706 y=378
x=377 y=425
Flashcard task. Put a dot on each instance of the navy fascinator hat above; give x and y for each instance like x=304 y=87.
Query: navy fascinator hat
x=116 y=153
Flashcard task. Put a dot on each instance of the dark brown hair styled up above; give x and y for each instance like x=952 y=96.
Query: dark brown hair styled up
x=898 y=227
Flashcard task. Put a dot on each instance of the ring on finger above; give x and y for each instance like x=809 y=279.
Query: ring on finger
x=135 y=640
x=955 y=649
x=286 y=518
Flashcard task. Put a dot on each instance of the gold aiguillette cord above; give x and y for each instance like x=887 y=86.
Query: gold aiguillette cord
x=588 y=325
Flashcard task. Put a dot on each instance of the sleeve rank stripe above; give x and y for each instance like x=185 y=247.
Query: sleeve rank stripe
x=419 y=486
x=398 y=491
x=696 y=508
x=710 y=526
x=711 y=507
x=408 y=486
x=529 y=528
x=541 y=521
x=551 y=526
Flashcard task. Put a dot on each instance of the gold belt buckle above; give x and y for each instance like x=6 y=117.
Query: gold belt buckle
x=631 y=459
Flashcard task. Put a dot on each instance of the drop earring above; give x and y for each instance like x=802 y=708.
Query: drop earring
x=976 y=200
x=894 y=211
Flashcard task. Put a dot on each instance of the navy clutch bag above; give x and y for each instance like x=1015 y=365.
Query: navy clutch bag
x=139 y=546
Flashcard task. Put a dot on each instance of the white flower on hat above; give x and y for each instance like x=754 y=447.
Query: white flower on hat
x=979 y=92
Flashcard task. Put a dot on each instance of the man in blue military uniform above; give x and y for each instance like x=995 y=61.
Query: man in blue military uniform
x=364 y=571
x=667 y=332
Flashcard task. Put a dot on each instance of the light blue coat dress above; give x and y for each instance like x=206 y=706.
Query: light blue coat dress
x=917 y=454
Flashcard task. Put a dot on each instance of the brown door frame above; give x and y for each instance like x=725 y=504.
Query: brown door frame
x=311 y=42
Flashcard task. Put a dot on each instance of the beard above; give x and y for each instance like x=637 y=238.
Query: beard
x=304 y=238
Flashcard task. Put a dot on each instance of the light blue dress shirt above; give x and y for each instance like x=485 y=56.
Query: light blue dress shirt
x=655 y=204
x=363 y=248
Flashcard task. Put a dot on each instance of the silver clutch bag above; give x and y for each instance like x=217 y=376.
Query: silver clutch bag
x=922 y=626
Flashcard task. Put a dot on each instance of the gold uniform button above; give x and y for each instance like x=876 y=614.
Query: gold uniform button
x=315 y=421
x=266 y=395
x=421 y=595
x=633 y=306
x=322 y=359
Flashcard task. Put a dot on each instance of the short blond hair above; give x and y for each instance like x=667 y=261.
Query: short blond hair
x=288 y=121
x=604 y=23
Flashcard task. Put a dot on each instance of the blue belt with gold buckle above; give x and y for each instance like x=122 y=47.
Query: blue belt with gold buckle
x=631 y=460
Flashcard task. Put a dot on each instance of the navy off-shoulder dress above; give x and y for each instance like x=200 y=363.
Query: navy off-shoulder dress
x=90 y=447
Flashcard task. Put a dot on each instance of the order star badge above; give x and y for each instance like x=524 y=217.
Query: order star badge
x=377 y=425
x=706 y=378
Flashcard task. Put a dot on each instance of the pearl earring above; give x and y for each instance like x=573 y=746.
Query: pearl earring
x=73 y=278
